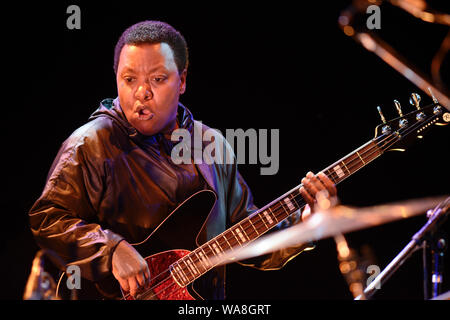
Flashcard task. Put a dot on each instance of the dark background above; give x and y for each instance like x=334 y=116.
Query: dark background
x=271 y=65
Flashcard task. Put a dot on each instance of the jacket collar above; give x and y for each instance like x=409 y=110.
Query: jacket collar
x=111 y=108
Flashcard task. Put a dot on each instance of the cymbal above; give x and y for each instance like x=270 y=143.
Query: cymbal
x=323 y=224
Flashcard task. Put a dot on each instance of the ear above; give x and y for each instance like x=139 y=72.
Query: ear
x=183 y=76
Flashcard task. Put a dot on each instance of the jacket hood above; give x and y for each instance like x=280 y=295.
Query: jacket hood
x=111 y=108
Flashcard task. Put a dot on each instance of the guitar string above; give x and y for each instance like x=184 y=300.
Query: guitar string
x=276 y=212
x=386 y=145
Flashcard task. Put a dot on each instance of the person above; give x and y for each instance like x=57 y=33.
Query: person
x=113 y=180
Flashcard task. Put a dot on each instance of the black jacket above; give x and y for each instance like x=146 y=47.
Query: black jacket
x=99 y=190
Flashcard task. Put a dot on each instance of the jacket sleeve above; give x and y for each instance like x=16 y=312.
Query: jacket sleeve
x=64 y=217
x=240 y=205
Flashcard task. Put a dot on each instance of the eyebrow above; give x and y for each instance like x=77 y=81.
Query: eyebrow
x=130 y=69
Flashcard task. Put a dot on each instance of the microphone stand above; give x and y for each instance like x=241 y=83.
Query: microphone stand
x=437 y=257
x=40 y=284
x=436 y=217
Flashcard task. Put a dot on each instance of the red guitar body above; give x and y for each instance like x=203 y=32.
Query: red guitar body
x=164 y=287
x=174 y=238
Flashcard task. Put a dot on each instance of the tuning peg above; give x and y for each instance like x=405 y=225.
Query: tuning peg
x=432 y=95
x=415 y=100
x=437 y=109
x=381 y=114
x=386 y=128
x=399 y=108
x=403 y=122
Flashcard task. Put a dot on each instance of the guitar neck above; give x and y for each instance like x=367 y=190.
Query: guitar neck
x=198 y=262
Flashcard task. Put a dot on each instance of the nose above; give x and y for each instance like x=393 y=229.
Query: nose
x=144 y=92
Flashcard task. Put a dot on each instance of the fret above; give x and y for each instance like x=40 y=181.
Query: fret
x=187 y=268
x=250 y=220
x=261 y=224
x=217 y=247
x=284 y=208
x=227 y=241
x=356 y=162
x=204 y=258
x=243 y=228
x=241 y=233
x=373 y=153
x=338 y=174
x=293 y=199
x=236 y=237
x=289 y=204
x=300 y=201
x=176 y=277
x=274 y=216
x=360 y=157
x=179 y=271
x=200 y=261
x=345 y=166
x=337 y=169
x=192 y=266
x=268 y=218
x=330 y=175
x=259 y=215
x=212 y=250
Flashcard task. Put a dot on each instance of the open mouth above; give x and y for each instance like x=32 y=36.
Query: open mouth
x=144 y=113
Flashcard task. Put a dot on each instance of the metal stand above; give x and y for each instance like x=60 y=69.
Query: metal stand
x=436 y=217
x=437 y=256
x=40 y=284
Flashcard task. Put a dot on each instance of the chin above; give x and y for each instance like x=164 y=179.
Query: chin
x=152 y=127
x=147 y=132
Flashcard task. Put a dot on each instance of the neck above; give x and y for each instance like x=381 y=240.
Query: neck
x=167 y=133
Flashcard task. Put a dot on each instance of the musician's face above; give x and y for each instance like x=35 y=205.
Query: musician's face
x=149 y=86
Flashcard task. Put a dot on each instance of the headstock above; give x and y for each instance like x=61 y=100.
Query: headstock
x=396 y=134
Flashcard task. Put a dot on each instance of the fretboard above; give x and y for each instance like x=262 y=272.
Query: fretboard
x=200 y=261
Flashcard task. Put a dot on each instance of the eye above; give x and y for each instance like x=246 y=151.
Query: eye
x=159 y=79
x=128 y=79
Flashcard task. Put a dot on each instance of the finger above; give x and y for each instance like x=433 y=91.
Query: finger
x=147 y=275
x=315 y=181
x=331 y=187
x=134 y=286
x=141 y=280
x=124 y=284
x=309 y=187
x=308 y=198
x=306 y=212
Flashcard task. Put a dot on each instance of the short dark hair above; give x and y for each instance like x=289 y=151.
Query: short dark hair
x=154 y=32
